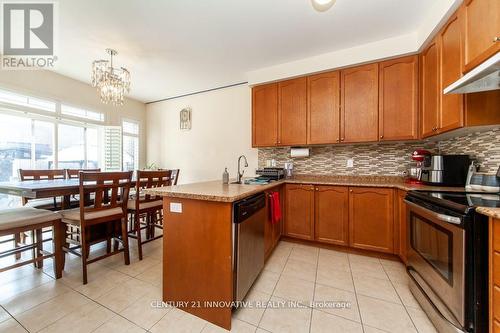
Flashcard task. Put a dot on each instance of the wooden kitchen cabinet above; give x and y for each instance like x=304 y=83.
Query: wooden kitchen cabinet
x=400 y=226
x=494 y=274
x=451 y=110
x=292 y=112
x=299 y=211
x=429 y=74
x=371 y=218
x=359 y=105
x=331 y=215
x=481 y=30
x=323 y=108
x=398 y=99
x=272 y=231
x=265 y=115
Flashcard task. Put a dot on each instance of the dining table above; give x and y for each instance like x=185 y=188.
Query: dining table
x=45 y=188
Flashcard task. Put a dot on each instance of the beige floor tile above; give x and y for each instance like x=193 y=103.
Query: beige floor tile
x=119 y=324
x=120 y=297
x=152 y=275
x=49 y=312
x=398 y=275
x=276 y=262
x=384 y=315
x=329 y=294
x=405 y=294
x=340 y=263
x=4 y=315
x=179 y=321
x=85 y=319
x=334 y=278
x=305 y=254
x=253 y=314
x=377 y=288
x=332 y=253
x=392 y=263
x=11 y=326
x=266 y=282
x=286 y=320
x=23 y=284
x=237 y=326
x=137 y=267
x=370 y=269
x=284 y=245
x=106 y=281
x=300 y=269
x=16 y=274
x=421 y=321
x=369 y=329
x=326 y=323
x=294 y=289
x=357 y=258
x=34 y=297
x=142 y=313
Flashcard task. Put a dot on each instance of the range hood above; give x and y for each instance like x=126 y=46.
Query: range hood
x=482 y=78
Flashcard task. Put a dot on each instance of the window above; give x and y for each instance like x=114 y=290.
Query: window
x=113 y=148
x=130 y=145
x=81 y=113
x=23 y=100
x=71 y=147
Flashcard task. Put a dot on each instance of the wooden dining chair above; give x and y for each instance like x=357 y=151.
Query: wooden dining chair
x=144 y=208
x=174 y=176
x=75 y=173
x=46 y=203
x=101 y=220
x=15 y=221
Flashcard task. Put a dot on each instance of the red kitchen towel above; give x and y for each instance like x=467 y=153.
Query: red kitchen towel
x=276 y=207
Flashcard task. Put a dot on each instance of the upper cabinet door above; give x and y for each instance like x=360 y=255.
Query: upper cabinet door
x=265 y=115
x=359 y=107
x=430 y=89
x=398 y=99
x=481 y=31
x=452 y=105
x=323 y=108
x=292 y=112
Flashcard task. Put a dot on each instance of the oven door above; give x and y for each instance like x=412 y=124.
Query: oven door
x=436 y=255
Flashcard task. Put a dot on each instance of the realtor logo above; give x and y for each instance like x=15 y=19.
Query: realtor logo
x=28 y=35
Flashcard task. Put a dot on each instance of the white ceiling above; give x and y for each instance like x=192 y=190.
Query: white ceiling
x=174 y=47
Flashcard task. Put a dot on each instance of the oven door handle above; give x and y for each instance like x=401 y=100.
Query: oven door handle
x=440 y=217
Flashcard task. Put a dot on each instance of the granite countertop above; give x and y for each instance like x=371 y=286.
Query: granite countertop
x=488 y=211
x=216 y=191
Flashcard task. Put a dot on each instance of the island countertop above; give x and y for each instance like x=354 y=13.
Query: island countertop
x=216 y=191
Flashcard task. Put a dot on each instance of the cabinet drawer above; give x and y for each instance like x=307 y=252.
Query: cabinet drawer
x=496 y=302
x=496 y=235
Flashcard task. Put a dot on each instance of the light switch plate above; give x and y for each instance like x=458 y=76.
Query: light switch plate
x=350 y=163
x=175 y=207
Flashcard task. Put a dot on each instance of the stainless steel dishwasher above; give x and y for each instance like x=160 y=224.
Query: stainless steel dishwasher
x=249 y=217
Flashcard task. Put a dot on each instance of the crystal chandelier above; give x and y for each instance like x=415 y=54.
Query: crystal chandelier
x=111 y=82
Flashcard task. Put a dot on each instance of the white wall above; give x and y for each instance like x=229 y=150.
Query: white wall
x=58 y=87
x=221 y=131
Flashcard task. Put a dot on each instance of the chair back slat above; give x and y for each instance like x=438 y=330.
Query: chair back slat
x=74 y=173
x=25 y=174
x=150 y=179
x=101 y=183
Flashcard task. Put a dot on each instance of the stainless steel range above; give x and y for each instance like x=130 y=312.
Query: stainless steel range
x=448 y=258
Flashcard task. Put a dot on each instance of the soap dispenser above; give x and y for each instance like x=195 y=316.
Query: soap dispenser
x=225 y=177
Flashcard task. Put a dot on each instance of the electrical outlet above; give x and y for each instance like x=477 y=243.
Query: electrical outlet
x=350 y=163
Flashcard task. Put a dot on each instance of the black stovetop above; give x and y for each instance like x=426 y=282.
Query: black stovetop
x=461 y=201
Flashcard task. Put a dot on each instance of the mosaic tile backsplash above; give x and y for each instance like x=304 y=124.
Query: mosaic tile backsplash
x=387 y=159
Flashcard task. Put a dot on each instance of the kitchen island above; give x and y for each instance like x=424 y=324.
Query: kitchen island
x=198 y=238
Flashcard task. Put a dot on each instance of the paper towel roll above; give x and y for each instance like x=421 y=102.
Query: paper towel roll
x=299 y=152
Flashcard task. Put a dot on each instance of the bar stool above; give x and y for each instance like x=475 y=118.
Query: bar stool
x=24 y=219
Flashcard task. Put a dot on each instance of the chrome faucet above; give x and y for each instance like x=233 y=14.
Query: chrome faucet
x=239 y=176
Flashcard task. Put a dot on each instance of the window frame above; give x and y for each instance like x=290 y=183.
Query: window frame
x=133 y=135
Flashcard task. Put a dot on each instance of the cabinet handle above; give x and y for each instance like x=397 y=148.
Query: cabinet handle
x=381 y=136
x=496 y=39
x=350 y=191
x=342 y=139
x=338 y=139
x=317 y=189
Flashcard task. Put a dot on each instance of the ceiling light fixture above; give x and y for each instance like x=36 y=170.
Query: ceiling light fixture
x=322 y=5
x=111 y=82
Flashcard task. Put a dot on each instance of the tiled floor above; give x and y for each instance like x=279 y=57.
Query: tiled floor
x=118 y=297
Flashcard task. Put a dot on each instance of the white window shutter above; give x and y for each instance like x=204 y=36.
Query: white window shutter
x=112 y=148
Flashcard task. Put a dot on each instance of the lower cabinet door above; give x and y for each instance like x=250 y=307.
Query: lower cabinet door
x=371 y=218
x=332 y=215
x=299 y=218
x=403 y=229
